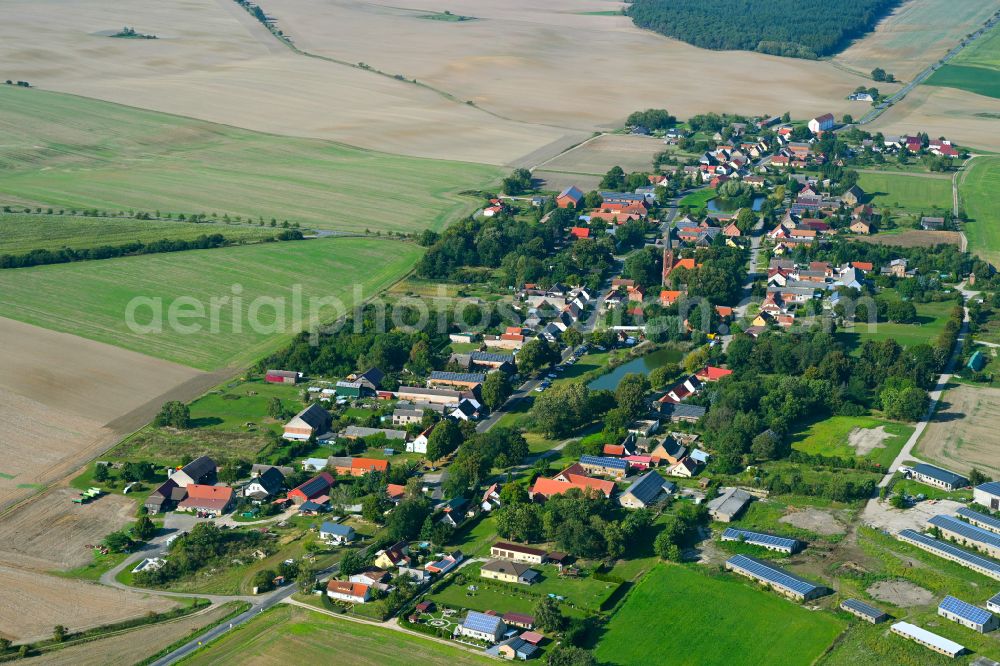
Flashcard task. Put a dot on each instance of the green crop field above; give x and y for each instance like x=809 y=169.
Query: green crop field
x=287 y=634
x=976 y=69
x=984 y=52
x=830 y=437
x=736 y=624
x=978 y=188
x=21 y=233
x=72 y=152
x=906 y=192
x=90 y=299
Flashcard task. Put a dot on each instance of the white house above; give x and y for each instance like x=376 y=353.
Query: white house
x=419 y=443
x=344 y=590
x=821 y=123
x=482 y=627
x=336 y=533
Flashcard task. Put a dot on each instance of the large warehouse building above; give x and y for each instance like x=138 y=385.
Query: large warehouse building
x=777 y=579
x=768 y=541
x=929 y=640
x=983 y=565
x=967 y=535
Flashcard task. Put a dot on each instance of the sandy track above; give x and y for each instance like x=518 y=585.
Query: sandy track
x=31 y=604
x=963 y=433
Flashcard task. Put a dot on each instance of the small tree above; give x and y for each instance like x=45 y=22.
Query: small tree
x=144 y=528
x=101 y=473
x=275 y=409
x=264 y=580
x=174 y=414
x=59 y=633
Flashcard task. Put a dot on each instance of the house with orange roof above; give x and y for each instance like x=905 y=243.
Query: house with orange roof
x=208 y=499
x=359 y=466
x=579 y=232
x=396 y=492
x=710 y=373
x=668 y=297
x=572 y=477
x=863 y=265
x=724 y=311
x=345 y=590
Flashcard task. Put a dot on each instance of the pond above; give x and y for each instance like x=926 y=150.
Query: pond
x=713 y=205
x=643 y=364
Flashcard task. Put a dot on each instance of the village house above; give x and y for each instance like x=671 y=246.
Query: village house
x=214 y=500
x=265 y=484
x=336 y=533
x=509 y=572
x=344 y=590
x=396 y=555
x=313 y=420
x=347 y=466
x=481 y=627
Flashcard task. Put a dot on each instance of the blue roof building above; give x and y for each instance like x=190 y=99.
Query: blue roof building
x=768 y=541
x=967 y=615
x=482 y=627
x=643 y=492
x=967 y=535
x=776 y=578
x=603 y=465
x=940 y=478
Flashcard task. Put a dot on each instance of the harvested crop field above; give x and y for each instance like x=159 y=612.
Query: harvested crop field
x=50 y=532
x=631 y=153
x=964 y=117
x=964 y=431
x=900 y=593
x=133 y=646
x=914 y=238
x=215 y=62
x=32 y=603
x=64 y=399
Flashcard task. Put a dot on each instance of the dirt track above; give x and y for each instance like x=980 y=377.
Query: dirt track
x=964 y=431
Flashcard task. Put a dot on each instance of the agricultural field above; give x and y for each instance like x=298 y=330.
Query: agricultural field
x=31 y=603
x=976 y=69
x=732 y=610
x=902 y=191
x=848 y=436
x=978 y=187
x=914 y=35
x=290 y=633
x=21 y=233
x=90 y=298
x=913 y=238
x=963 y=433
x=931 y=318
x=588 y=162
x=65 y=399
x=59 y=154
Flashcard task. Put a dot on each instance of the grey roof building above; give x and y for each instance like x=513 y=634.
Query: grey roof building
x=643 y=492
x=729 y=504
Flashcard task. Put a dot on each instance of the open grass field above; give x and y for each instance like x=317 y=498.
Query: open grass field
x=963 y=433
x=22 y=233
x=848 y=436
x=979 y=80
x=977 y=188
x=729 y=613
x=913 y=238
x=698 y=200
x=912 y=192
x=914 y=35
x=71 y=152
x=287 y=633
x=90 y=299
x=931 y=318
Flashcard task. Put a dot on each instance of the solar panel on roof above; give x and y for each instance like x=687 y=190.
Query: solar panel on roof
x=476 y=621
x=611 y=463
x=965 y=610
x=734 y=534
x=993 y=523
x=966 y=530
x=458 y=376
x=954 y=551
x=772 y=574
x=862 y=608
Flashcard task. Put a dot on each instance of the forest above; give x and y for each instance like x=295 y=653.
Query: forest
x=794 y=28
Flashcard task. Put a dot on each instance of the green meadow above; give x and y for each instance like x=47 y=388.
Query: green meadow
x=830 y=438
x=71 y=152
x=901 y=191
x=90 y=298
x=21 y=233
x=978 y=188
x=976 y=69
x=733 y=623
x=931 y=318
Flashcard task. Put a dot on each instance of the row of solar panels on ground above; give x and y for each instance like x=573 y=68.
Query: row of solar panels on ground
x=864 y=609
x=734 y=534
x=965 y=610
x=944 y=547
x=772 y=574
x=987 y=522
x=966 y=530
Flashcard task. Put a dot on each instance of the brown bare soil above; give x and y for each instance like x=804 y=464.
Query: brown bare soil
x=867 y=440
x=914 y=238
x=964 y=431
x=900 y=593
x=814 y=520
x=51 y=532
x=881 y=515
x=32 y=603
x=64 y=399
x=964 y=117
x=133 y=646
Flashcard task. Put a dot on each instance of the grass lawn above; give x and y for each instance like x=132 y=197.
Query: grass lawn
x=287 y=634
x=907 y=192
x=231 y=407
x=21 y=233
x=73 y=152
x=583 y=595
x=911 y=487
x=830 y=438
x=90 y=299
x=978 y=188
x=475 y=540
x=698 y=200
x=980 y=80
x=931 y=318
x=733 y=619
x=765 y=516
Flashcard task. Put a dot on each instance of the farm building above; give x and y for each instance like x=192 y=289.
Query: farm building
x=515 y=552
x=315 y=487
x=513 y=648
x=281 y=377
x=602 y=465
x=571 y=197
x=348 y=389
x=988 y=495
x=967 y=615
x=460 y=380
x=864 y=611
x=436 y=396
x=357 y=466
x=979 y=519
x=977 y=361
x=200 y=470
x=370 y=379
x=968 y=535
x=357 y=432
x=821 y=123
x=509 y=572
x=768 y=541
x=491 y=359
x=983 y=565
x=403 y=416
x=313 y=420
x=520 y=620
x=482 y=627
x=165 y=497
x=727 y=506
x=929 y=640
x=774 y=577
x=345 y=590
x=215 y=500
x=643 y=492
x=993 y=603
x=937 y=477
x=336 y=533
